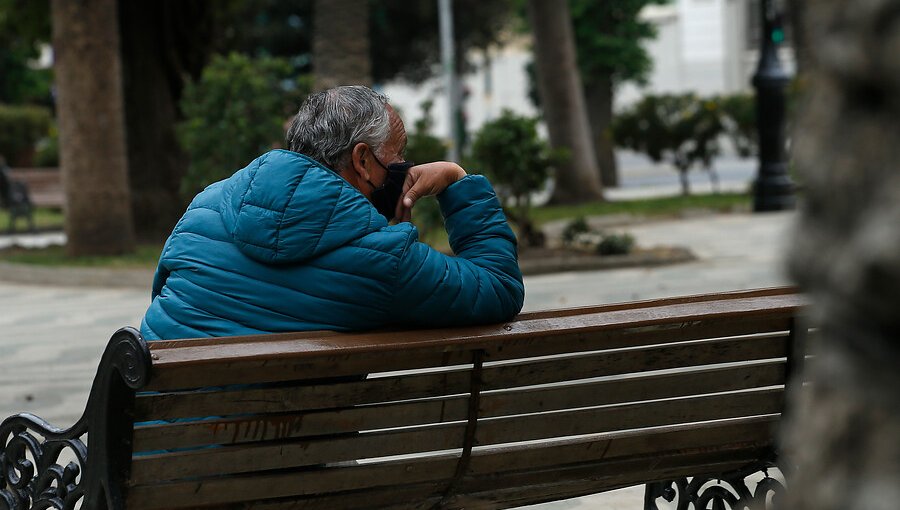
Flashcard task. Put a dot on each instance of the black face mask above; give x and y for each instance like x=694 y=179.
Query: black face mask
x=386 y=196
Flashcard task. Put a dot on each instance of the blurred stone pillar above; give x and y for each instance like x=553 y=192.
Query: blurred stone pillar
x=844 y=435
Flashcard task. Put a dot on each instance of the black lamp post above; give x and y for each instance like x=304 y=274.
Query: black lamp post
x=773 y=190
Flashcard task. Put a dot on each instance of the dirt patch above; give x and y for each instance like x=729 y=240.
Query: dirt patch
x=554 y=260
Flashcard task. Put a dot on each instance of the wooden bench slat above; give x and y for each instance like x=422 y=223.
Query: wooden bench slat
x=301 y=398
x=244 y=372
x=268 y=485
x=633 y=360
x=605 y=392
x=561 y=312
x=401 y=473
x=424 y=496
x=271 y=427
x=277 y=455
x=628 y=416
x=650 y=303
x=290 y=399
x=756 y=431
x=528 y=461
x=633 y=388
x=287 y=345
x=289 y=356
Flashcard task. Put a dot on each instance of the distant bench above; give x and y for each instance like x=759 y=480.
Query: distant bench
x=553 y=405
x=44 y=185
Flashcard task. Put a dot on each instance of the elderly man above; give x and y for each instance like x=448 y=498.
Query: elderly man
x=300 y=239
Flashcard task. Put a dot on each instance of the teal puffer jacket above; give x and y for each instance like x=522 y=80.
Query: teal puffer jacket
x=288 y=245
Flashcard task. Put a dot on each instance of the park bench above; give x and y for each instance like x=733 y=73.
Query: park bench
x=15 y=198
x=684 y=394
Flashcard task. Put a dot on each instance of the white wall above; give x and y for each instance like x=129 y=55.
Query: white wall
x=700 y=47
x=508 y=84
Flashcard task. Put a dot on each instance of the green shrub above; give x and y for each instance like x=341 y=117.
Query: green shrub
x=616 y=244
x=424 y=147
x=510 y=152
x=421 y=145
x=739 y=121
x=47 y=154
x=575 y=228
x=682 y=130
x=234 y=113
x=20 y=129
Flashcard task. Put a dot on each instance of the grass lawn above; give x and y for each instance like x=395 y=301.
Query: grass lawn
x=147 y=255
x=44 y=219
x=647 y=207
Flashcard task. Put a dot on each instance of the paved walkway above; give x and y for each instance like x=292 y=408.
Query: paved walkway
x=51 y=337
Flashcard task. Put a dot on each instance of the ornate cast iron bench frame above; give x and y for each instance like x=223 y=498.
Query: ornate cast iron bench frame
x=683 y=394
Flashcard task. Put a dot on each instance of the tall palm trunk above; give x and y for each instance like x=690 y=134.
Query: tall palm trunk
x=92 y=127
x=341 y=43
x=845 y=434
x=562 y=98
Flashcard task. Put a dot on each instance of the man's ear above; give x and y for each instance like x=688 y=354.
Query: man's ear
x=359 y=161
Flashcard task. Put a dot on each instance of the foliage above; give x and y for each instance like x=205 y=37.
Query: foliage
x=609 y=37
x=20 y=128
x=739 y=122
x=47 y=154
x=616 y=244
x=579 y=233
x=609 y=40
x=575 y=228
x=406 y=40
x=423 y=147
x=23 y=27
x=236 y=111
x=509 y=151
x=404 y=35
x=682 y=129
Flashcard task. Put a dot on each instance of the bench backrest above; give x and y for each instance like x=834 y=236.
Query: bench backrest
x=553 y=405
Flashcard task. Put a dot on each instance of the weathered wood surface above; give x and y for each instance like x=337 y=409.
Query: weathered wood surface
x=554 y=404
x=529 y=400
x=303 y=356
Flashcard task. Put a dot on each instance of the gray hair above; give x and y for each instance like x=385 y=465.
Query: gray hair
x=330 y=123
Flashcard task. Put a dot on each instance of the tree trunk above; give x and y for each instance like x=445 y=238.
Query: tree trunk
x=162 y=42
x=341 y=43
x=562 y=99
x=797 y=10
x=844 y=438
x=92 y=127
x=599 y=98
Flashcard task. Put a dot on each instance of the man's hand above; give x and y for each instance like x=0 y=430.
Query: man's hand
x=424 y=181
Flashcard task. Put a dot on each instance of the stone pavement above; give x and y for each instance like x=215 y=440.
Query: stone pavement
x=51 y=336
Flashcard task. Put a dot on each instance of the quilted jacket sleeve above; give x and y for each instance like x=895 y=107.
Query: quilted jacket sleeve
x=482 y=284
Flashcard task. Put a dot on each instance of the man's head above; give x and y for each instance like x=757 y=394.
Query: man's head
x=352 y=130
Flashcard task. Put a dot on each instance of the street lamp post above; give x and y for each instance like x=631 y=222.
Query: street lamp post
x=773 y=190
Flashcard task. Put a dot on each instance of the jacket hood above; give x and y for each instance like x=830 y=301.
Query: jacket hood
x=286 y=208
